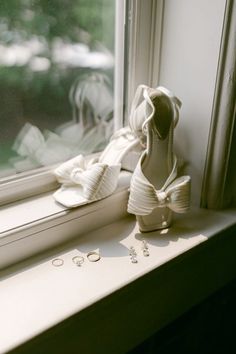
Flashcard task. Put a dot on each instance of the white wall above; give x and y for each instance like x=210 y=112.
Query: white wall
x=189 y=57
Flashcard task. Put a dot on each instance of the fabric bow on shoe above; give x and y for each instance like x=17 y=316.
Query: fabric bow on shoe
x=84 y=183
x=176 y=196
x=144 y=198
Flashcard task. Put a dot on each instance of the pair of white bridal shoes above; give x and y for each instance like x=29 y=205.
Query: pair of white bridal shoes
x=85 y=181
x=155 y=189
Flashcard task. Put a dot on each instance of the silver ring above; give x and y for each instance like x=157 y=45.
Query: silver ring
x=93 y=256
x=78 y=260
x=57 y=262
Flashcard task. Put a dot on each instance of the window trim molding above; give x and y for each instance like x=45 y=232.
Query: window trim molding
x=120 y=37
x=145 y=29
x=214 y=189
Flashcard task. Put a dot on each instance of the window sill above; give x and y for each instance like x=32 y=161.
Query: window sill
x=113 y=298
x=37 y=224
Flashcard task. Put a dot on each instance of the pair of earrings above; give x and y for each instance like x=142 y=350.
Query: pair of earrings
x=133 y=253
x=78 y=260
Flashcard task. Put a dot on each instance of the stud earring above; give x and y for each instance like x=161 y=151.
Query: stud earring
x=145 y=249
x=133 y=255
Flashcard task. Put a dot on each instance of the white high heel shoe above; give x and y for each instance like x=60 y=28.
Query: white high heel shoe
x=155 y=190
x=86 y=182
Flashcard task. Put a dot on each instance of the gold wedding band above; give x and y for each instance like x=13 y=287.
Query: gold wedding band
x=57 y=262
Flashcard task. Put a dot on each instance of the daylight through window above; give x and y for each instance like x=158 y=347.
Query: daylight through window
x=56 y=81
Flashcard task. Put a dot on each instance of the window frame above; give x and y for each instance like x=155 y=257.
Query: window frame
x=144 y=33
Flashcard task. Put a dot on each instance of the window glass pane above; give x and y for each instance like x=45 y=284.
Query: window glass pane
x=56 y=80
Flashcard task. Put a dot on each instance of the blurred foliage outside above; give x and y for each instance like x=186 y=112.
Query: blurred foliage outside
x=35 y=87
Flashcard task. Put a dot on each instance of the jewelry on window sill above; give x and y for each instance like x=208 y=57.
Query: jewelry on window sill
x=145 y=249
x=93 y=256
x=78 y=260
x=133 y=255
x=57 y=262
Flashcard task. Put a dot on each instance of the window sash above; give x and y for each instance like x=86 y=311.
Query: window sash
x=144 y=32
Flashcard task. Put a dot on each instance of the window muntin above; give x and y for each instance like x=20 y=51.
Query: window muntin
x=56 y=80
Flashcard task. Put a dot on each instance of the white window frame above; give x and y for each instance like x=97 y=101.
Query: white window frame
x=145 y=31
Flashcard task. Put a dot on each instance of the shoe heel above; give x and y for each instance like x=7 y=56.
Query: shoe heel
x=160 y=218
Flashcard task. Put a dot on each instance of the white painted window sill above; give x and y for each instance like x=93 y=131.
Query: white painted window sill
x=36 y=297
x=38 y=223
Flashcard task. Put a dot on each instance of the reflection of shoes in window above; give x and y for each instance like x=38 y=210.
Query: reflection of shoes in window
x=83 y=183
x=155 y=190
